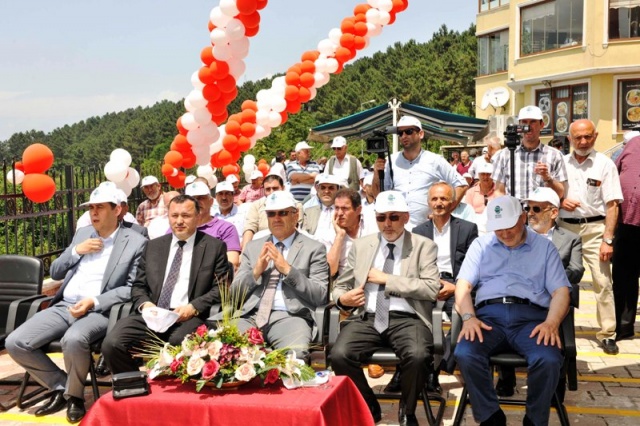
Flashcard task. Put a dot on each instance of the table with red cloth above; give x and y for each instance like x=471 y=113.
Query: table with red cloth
x=170 y=402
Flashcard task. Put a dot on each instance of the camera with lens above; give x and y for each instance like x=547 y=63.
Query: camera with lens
x=512 y=135
x=378 y=143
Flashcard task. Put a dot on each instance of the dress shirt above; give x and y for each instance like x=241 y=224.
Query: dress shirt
x=371 y=289
x=250 y=194
x=87 y=279
x=180 y=296
x=533 y=270
x=325 y=229
x=147 y=210
x=278 y=300
x=235 y=217
x=342 y=169
x=348 y=242
x=443 y=241
x=628 y=165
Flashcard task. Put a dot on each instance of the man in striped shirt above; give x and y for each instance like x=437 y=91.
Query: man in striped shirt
x=302 y=172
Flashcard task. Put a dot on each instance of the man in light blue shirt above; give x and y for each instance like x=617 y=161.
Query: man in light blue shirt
x=522 y=295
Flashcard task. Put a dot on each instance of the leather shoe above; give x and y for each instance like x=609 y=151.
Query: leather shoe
x=376 y=412
x=433 y=383
x=75 y=410
x=55 y=404
x=375 y=371
x=609 y=347
x=404 y=418
x=625 y=335
x=497 y=419
x=101 y=367
x=394 y=384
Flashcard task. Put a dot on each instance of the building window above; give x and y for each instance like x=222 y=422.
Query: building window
x=551 y=25
x=562 y=105
x=628 y=104
x=624 y=16
x=485 y=5
x=493 y=52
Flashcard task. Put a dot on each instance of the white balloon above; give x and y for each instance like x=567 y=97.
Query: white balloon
x=218 y=36
x=262 y=118
x=321 y=64
x=261 y=131
x=188 y=122
x=17 y=174
x=279 y=104
x=115 y=171
x=124 y=186
x=320 y=79
x=121 y=156
x=335 y=34
x=196 y=137
x=374 y=29
x=203 y=158
x=202 y=116
x=197 y=99
x=222 y=52
x=228 y=7
x=279 y=83
x=187 y=105
x=313 y=92
x=204 y=171
x=373 y=16
x=262 y=95
x=213 y=181
x=236 y=67
x=327 y=47
x=373 y=3
x=215 y=147
x=247 y=169
x=210 y=131
x=385 y=5
x=384 y=17
x=133 y=177
x=195 y=81
x=240 y=47
x=235 y=29
x=218 y=18
x=249 y=159
x=332 y=65
x=274 y=119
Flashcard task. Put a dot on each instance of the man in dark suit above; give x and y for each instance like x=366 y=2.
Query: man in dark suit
x=187 y=286
x=285 y=276
x=98 y=269
x=389 y=286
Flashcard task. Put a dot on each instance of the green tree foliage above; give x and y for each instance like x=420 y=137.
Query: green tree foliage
x=438 y=74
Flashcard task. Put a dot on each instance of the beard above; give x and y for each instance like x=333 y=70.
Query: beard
x=583 y=152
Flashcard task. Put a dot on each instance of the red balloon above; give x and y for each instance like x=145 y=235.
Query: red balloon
x=244 y=144
x=38 y=187
x=305 y=95
x=181 y=143
x=293 y=107
x=227 y=84
x=177 y=181
x=232 y=127
x=262 y=161
x=168 y=170
x=261 y=4
x=246 y=7
x=224 y=158
x=342 y=54
x=249 y=104
x=247 y=129
x=219 y=69
x=211 y=92
x=220 y=118
x=291 y=93
x=250 y=20
x=264 y=168
x=310 y=55
x=230 y=142
x=206 y=76
x=180 y=127
x=206 y=55
x=188 y=159
x=19 y=166
x=308 y=66
x=174 y=158
x=347 y=40
x=37 y=158
x=361 y=29
x=292 y=78
x=248 y=116
x=361 y=8
x=250 y=32
x=227 y=170
x=347 y=25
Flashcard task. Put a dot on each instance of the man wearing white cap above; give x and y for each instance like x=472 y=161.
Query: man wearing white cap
x=302 y=172
x=154 y=205
x=488 y=154
x=226 y=208
x=479 y=195
x=98 y=269
x=285 y=277
x=389 y=287
x=415 y=170
x=318 y=219
x=235 y=182
x=344 y=165
x=522 y=295
x=124 y=216
x=536 y=164
x=217 y=228
x=254 y=190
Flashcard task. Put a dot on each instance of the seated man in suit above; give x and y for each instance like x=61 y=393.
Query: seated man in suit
x=285 y=276
x=98 y=269
x=542 y=211
x=389 y=285
x=318 y=219
x=180 y=271
x=522 y=295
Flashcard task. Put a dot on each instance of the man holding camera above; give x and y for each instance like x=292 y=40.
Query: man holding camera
x=536 y=164
x=415 y=170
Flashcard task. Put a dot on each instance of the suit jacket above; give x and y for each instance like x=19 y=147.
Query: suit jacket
x=304 y=289
x=462 y=235
x=311 y=217
x=209 y=267
x=418 y=282
x=135 y=227
x=569 y=245
x=119 y=273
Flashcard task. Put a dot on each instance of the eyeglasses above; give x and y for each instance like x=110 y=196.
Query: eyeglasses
x=407 y=131
x=391 y=217
x=281 y=213
x=337 y=149
x=536 y=209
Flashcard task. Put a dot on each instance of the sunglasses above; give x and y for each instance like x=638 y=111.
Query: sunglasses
x=281 y=213
x=391 y=217
x=536 y=209
x=407 y=131
x=337 y=149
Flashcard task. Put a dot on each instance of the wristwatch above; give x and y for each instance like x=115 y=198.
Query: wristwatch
x=467 y=316
x=608 y=241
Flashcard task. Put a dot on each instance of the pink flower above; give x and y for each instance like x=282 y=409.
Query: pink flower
x=245 y=372
x=272 y=376
x=210 y=369
x=255 y=336
x=176 y=364
x=202 y=330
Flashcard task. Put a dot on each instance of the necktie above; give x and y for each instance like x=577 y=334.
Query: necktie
x=381 y=321
x=172 y=278
x=266 y=302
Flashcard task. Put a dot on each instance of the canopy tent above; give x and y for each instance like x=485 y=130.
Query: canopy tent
x=436 y=124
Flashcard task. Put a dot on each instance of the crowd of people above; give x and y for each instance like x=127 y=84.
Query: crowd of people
x=385 y=251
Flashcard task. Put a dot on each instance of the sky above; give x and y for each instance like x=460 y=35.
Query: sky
x=64 y=61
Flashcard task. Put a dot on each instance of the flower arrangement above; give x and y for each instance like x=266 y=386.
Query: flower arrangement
x=224 y=355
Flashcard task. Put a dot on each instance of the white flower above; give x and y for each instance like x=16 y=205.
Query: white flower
x=213 y=349
x=187 y=346
x=245 y=372
x=252 y=354
x=194 y=366
x=155 y=371
x=291 y=365
x=213 y=333
x=165 y=359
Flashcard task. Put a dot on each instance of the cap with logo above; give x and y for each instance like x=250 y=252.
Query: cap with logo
x=189 y=179
x=409 y=121
x=232 y=179
x=148 y=180
x=339 y=142
x=279 y=200
x=302 y=145
x=544 y=195
x=530 y=113
x=331 y=180
x=197 y=188
x=224 y=186
x=391 y=201
x=256 y=174
x=103 y=194
x=485 y=168
x=503 y=213
x=368 y=179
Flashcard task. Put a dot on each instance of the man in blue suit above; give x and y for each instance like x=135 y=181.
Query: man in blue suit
x=98 y=269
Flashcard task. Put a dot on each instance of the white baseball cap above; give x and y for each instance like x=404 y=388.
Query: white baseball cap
x=409 y=121
x=122 y=197
x=339 y=142
x=148 y=180
x=391 y=201
x=224 y=186
x=485 y=150
x=189 y=179
x=503 y=213
x=103 y=194
x=256 y=174
x=232 y=179
x=467 y=175
x=530 y=112
x=279 y=200
x=197 y=188
x=331 y=180
x=543 y=194
x=302 y=145
x=368 y=179
x=485 y=168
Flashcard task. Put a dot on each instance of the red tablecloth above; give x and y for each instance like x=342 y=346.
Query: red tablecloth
x=336 y=403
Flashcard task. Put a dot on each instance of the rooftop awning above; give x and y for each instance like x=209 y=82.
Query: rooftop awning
x=436 y=124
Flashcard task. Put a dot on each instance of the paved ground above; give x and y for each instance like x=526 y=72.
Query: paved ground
x=608 y=388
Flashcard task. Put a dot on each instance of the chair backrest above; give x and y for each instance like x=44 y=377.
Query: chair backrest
x=20 y=277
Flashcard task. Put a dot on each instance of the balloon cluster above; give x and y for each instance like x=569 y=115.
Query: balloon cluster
x=119 y=171
x=202 y=138
x=31 y=173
